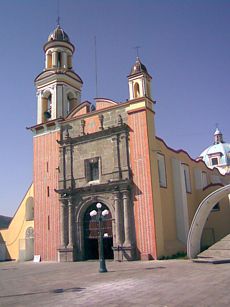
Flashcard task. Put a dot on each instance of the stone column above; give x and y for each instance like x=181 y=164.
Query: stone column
x=82 y=128
x=64 y=59
x=101 y=120
x=62 y=220
x=47 y=60
x=54 y=59
x=124 y=152
x=116 y=154
x=127 y=220
x=118 y=216
x=70 y=222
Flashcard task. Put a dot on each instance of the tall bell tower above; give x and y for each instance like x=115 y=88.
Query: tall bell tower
x=58 y=92
x=58 y=86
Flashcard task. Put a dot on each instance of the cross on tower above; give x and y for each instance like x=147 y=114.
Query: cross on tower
x=137 y=50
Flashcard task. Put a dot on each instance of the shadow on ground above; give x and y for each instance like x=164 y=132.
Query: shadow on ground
x=56 y=291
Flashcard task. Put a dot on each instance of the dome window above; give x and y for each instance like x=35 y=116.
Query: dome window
x=59 y=59
x=214 y=161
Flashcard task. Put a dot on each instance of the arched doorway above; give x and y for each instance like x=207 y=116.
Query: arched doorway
x=91 y=230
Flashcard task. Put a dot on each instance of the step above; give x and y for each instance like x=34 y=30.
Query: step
x=223 y=244
x=212 y=253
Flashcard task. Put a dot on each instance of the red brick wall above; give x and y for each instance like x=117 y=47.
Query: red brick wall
x=82 y=111
x=143 y=200
x=46 y=175
x=104 y=104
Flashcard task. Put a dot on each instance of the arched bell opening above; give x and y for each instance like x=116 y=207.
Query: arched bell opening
x=46 y=107
x=49 y=60
x=71 y=102
x=91 y=233
x=136 y=90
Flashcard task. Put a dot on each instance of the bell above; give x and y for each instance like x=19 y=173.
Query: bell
x=47 y=114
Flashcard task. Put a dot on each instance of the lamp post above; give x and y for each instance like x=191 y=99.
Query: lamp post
x=100 y=214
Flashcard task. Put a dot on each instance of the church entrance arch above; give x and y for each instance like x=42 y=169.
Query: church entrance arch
x=91 y=232
x=200 y=217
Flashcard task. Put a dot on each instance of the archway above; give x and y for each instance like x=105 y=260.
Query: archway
x=200 y=217
x=30 y=209
x=90 y=226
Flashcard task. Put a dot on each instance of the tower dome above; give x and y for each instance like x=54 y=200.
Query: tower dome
x=218 y=154
x=138 y=67
x=58 y=34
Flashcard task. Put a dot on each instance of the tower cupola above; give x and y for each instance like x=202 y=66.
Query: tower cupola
x=58 y=86
x=218 y=154
x=58 y=50
x=139 y=81
x=218 y=137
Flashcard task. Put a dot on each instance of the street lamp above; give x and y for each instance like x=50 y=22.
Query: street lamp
x=100 y=214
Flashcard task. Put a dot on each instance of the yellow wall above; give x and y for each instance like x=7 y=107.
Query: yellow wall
x=14 y=236
x=218 y=221
x=217 y=225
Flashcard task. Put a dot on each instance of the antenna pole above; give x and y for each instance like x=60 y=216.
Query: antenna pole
x=58 y=13
x=95 y=58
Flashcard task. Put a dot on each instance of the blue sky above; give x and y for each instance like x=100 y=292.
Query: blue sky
x=185 y=46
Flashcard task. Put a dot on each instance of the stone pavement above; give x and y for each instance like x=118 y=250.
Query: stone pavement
x=151 y=283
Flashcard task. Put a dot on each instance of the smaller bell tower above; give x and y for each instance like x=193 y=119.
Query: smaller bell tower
x=139 y=81
x=58 y=86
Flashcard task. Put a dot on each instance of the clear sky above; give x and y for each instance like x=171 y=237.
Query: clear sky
x=185 y=46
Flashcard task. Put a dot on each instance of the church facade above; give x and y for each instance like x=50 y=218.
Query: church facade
x=108 y=153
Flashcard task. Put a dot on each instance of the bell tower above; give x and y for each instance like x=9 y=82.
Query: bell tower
x=139 y=81
x=58 y=92
x=58 y=86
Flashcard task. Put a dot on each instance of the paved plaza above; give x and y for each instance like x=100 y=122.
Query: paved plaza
x=151 y=283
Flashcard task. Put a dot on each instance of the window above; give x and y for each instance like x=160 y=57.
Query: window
x=49 y=60
x=216 y=207
x=161 y=170
x=186 y=178
x=48 y=191
x=204 y=180
x=92 y=169
x=214 y=161
x=30 y=209
x=59 y=59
